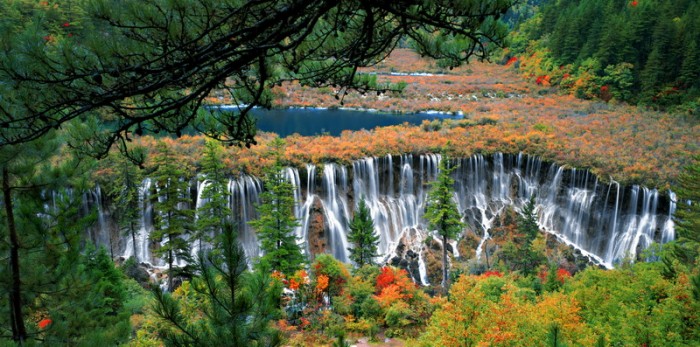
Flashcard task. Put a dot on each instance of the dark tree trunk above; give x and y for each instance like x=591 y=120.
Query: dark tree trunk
x=486 y=252
x=133 y=240
x=19 y=333
x=445 y=280
x=170 y=266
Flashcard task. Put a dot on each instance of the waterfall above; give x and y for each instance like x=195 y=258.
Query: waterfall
x=669 y=231
x=301 y=210
x=244 y=195
x=606 y=221
x=335 y=209
x=141 y=249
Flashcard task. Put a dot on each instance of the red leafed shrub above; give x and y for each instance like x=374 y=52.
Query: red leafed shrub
x=44 y=323
x=563 y=274
x=491 y=273
x=385 y=278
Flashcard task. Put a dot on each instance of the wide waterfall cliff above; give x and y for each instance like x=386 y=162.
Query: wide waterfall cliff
x=605 y=221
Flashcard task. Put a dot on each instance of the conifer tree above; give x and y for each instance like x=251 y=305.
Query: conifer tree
x=362 y=236
x=173 y=218
x=51 y=269
x=237 y=305
x=125 y=188
x=690 y=69
x=215 y=212
x=519 y=254
x=441 y=211
x=527 y=222
x=687 y=216
x=26 y=174
x=90 y=308
x=276 y=222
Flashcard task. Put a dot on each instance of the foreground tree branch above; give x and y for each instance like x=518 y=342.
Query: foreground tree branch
x=140 y=66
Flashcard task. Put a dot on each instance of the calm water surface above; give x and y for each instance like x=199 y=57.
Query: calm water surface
x=309 y=122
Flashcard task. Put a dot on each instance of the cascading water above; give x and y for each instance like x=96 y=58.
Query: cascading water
x=335 y=207
x=606 y=221
x=100 y=233
x=669 y=230
x=141 y=250
x=244 y=194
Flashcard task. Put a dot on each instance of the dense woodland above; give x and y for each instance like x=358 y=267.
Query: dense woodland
x=642 y=52
x=69 y=97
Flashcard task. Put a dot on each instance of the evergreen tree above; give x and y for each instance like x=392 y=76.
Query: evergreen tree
x=690 y=69
x=237 y=305
x=125 y=187
x=215 y=211
x=91 y=310
x=518 y=254
x=26 y=177
x=441 y=211
x=554 y=337
x=54 y=290
x=173 y=219
x=610 y=41
x=527 y=222
x=652 y=74
x=687 y=216
x=276 y=222
x=362 y=236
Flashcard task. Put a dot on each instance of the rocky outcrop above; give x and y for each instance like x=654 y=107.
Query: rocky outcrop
x=317 y=237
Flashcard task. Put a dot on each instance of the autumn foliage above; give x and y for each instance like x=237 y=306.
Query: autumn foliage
x=502 y=113
x=394 y=285
x=477 y=316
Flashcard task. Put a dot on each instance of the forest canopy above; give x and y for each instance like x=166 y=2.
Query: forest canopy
x=634 y=51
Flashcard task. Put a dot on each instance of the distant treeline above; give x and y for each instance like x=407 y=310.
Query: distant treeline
x=640 y=51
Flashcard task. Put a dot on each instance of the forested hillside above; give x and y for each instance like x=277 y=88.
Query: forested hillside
x=641 y=51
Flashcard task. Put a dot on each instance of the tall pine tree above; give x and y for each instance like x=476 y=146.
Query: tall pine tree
x=687 y=216
x=173 y=218
x=215 y=212
x=276 y=222
x=362 y=236
x=124 y=190
x=441 y=211
x=237 y=306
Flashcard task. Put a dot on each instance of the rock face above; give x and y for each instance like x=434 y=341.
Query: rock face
x=318 y=239
x=410 y=255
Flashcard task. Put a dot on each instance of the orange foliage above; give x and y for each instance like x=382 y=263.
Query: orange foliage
x=491 y=273
x=321 y=283
x=563 y=275
x=393 y=285
x=473 y=317
x=385 y=278
x=501 y=114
